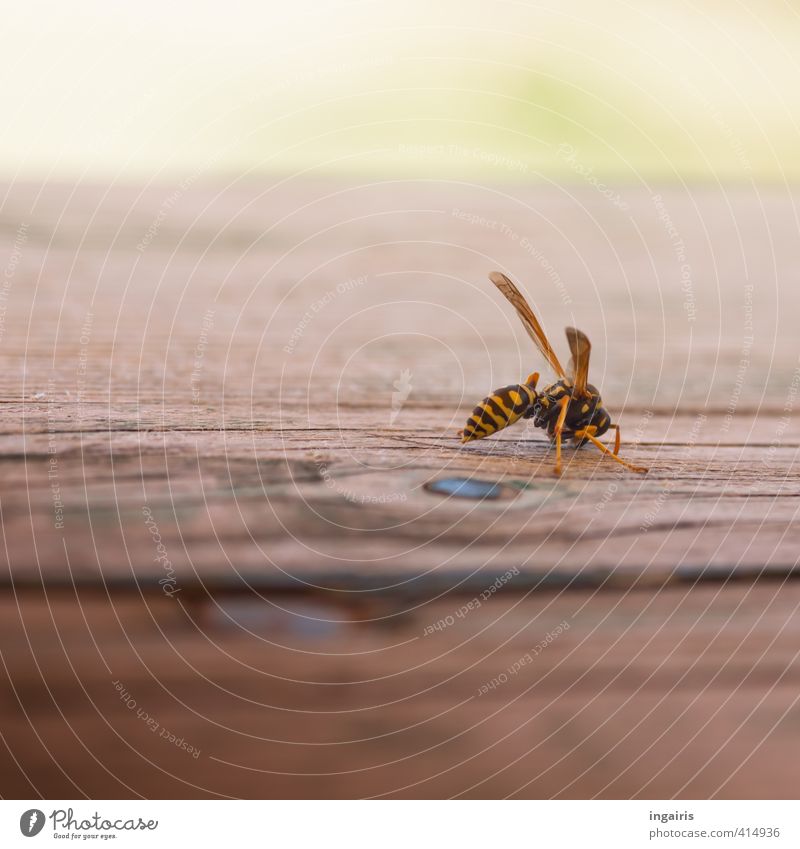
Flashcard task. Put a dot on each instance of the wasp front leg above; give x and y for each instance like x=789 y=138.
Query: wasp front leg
x=563 y=403
x=617 y=438
x=588 y=433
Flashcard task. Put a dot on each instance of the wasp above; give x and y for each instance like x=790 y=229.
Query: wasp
x=569 y=409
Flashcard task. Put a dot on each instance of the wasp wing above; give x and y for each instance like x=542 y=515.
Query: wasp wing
x=529 y=320
x=580 y=348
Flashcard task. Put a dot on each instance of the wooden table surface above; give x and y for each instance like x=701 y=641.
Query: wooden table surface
x=221 y=405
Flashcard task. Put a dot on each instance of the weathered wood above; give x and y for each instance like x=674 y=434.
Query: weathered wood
x=688 y=692
x=286 y=506
x=233 y=368
x=244 y=388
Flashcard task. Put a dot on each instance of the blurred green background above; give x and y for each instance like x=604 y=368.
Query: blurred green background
x=492 y=90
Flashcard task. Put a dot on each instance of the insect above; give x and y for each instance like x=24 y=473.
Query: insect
x=570 y=408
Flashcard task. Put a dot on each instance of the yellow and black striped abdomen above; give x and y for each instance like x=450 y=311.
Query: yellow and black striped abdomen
x=500 y=409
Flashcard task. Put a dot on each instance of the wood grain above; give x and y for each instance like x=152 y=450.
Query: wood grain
x=685 y=691
x=238 y=391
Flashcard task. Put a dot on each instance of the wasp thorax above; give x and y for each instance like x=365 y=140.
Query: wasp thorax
x=582 y=410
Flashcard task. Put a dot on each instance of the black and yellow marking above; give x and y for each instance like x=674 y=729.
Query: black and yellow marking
x=498 y=410
x=569 y=409
x=582 y=410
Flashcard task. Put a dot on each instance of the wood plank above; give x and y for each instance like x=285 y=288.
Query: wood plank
x=204 y=467
x=234 y=371
x=278 y=509
x=686 y=692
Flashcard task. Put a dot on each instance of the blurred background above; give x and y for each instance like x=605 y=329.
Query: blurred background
x=639 y=91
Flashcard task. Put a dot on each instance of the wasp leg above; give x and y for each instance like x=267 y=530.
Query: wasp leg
x=532 y=379
x=584 y=434
x=617 y=439
x=564 y=403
